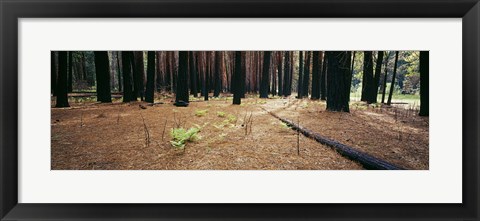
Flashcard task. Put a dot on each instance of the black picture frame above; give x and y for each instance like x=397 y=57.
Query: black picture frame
x=12 y=10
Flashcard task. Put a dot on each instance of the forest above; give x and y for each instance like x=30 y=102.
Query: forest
x=239 y=110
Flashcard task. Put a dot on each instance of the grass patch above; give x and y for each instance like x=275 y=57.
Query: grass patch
x=221 y=114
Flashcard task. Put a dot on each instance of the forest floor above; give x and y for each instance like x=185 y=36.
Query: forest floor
x=135 y=136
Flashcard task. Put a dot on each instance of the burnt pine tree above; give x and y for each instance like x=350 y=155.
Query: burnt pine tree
x=315 y=76
x=53 y=73
x=264 y=85
x=323 y=78
x=424 y=71
x=206 y=89
x=119 y=71
x=367 y=80
x=384 y=85
x=306 y=74
x=181 y=97
x=127 y=76
x=337 y=80
x=102 y=72
x=70 y=71
x=218 y=75
x=287 y=75
x=236 y=78
x=300 y=76
x=193 y=74
x=62 y=90
x=280 y=72
x=376 y=79
x=150 y=89
x=138 y=74
x=392 y=85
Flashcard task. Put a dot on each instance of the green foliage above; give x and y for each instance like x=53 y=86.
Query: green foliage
x=231 y=118
x=284 y=125
x=180 y=136
x=200 y=113
x=221 y=114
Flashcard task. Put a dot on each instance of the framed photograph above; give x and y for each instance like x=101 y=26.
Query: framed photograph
x=278 y=109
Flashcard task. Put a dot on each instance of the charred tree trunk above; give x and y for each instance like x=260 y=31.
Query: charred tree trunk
x=323 y=78
x=168 y=72
x=102 y=72
x=53 y=73
x=62 y=90
x=218 y=74
x=367 y=83
x=337 y=80
x=384 y=85
x=300 y=76
x=315 y=75
x=424 y=71
x=206 y=78
x=306 y=74
x=286 y=71
x=138 y=72
x=392 y=86
x=70 y=71
x=266 y=70
x=128 y=94
x=119 y=73
x=181 y=98
x=150 y=89
x=193 y=74
x=237 y=78
x=280 y=73
x=376 y=80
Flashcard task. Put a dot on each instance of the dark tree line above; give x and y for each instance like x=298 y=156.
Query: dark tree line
x=318 y=74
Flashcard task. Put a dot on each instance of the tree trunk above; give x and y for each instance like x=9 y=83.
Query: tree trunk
x=315 y=75
x=53 y=73
x=337 y=80
x=367 y=83
x=149 y=91
x=102 y=72
x=384 y=87
x=119 y=72
x=280 y=72
x=218 y=75
x=206 y=78
x=62 y=90
x=300 y=76
x=266 y=70
x=323 y=78
x=376 y=80
x=138 y=75
x=237 y=78
x=424 y=71
x=306 y=74
x=70 y=71
x=392 y=86
x=193 y=74
x=128 y=94
x=181 y=98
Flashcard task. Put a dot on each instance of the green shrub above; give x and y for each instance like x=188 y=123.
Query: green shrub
x=200 y=113
x=220 y=114
x=180 y=136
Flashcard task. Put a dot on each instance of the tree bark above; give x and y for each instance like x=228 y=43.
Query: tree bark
x=102 y=72
x=150 y=89
x=337 y=80
x=266 y=70
x=424 y=85
x=315 y=75
x=300 y=76
x=181 y=98
x=53 y=73
x=376 y=80
x=384 y=87
x=323 y=78
x=70 y=71
x=367 y=83
x=392 y=86
x=193 y=74
x=128 y=94
x=62 y=90
x=306 y=74
x=237 y=78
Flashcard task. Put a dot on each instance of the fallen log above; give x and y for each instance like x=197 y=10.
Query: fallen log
x=367 y=161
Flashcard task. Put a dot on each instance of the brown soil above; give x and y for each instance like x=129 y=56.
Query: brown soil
x=93 y=136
